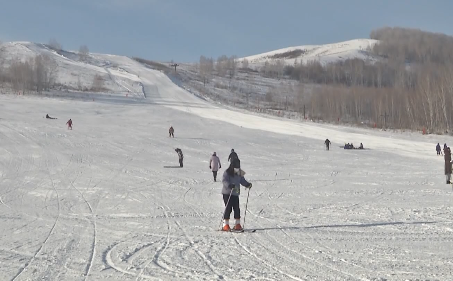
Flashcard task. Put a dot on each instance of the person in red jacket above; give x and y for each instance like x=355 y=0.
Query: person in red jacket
x=69 y=123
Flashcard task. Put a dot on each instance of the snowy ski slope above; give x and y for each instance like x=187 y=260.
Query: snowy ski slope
x=327 y=53
x=105 y=201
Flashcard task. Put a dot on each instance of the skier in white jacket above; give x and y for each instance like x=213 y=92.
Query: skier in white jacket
x=214 y=165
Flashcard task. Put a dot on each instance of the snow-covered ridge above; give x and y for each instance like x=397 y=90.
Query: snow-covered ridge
x=328 y=53
x=75 y=74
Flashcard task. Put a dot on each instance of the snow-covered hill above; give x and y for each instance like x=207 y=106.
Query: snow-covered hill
x=108 y=200
x=325 y=54
x=74 y=74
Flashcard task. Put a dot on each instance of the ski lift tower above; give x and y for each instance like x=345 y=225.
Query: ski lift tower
x=174 y=65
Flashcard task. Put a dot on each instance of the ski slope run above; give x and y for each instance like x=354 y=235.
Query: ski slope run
x=105 y=201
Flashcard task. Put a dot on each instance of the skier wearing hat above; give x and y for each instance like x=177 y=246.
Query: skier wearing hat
x=233 y=178
x=180 y=156
x=233 y=155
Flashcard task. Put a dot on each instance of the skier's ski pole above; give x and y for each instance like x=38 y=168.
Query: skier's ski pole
x=245 y=214
x=226 y=205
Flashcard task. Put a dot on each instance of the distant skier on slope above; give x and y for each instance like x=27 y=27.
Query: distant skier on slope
x=447 y=158
x=438 y=150
x=181 y=156
x=48 y=117
x=327 y=143
x=171 y=132
x=233 y=178
x=69 y=123
x=214 y=165
x=233 y=155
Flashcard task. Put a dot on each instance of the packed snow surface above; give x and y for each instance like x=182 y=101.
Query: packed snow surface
x=107 y=200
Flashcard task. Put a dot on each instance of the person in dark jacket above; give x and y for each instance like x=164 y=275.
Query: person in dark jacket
x=233 y=178
x=327 y=143
x=447 y=158
x=181 y=156
x=233 y=155
x=171 y=132
x=438 y=150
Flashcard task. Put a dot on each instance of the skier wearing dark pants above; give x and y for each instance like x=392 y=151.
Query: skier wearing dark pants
x=447 y=158
x=232 y=180
x=233 y=155
x=214 y=165
x=327 y=143
x=438 y=150
x=69 y=123
x=181 y=156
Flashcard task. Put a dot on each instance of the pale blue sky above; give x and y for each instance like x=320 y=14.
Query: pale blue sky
x=185 y=29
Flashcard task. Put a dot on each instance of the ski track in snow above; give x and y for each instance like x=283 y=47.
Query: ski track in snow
x=104 y=202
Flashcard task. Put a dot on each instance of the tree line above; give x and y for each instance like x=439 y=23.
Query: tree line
x=411 y=87
x=407 y=82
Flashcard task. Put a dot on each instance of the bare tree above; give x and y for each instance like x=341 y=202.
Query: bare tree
x=54 y=45
x=205 y=69
x=2 y=75
x=21 y=75
x=98 y=83
x=245 y=63
x=83 y=53
x=222 y=65
x=270 y=96
x=44 y=72
x=231 y=66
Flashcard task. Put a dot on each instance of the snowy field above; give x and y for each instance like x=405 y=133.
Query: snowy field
x=105 y=201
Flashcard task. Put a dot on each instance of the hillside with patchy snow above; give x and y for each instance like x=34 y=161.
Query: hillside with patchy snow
x=73 y=74
x=328 y=53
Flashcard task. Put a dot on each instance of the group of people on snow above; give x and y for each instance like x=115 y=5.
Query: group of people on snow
x=232 y=179
x=327 y=143
x=69 y=123
x=351 y=146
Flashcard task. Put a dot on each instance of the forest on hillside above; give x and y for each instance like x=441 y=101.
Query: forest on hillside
x=408 y=85
x=411 y=87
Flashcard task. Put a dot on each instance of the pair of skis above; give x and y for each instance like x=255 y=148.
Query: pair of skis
x=239 y=231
